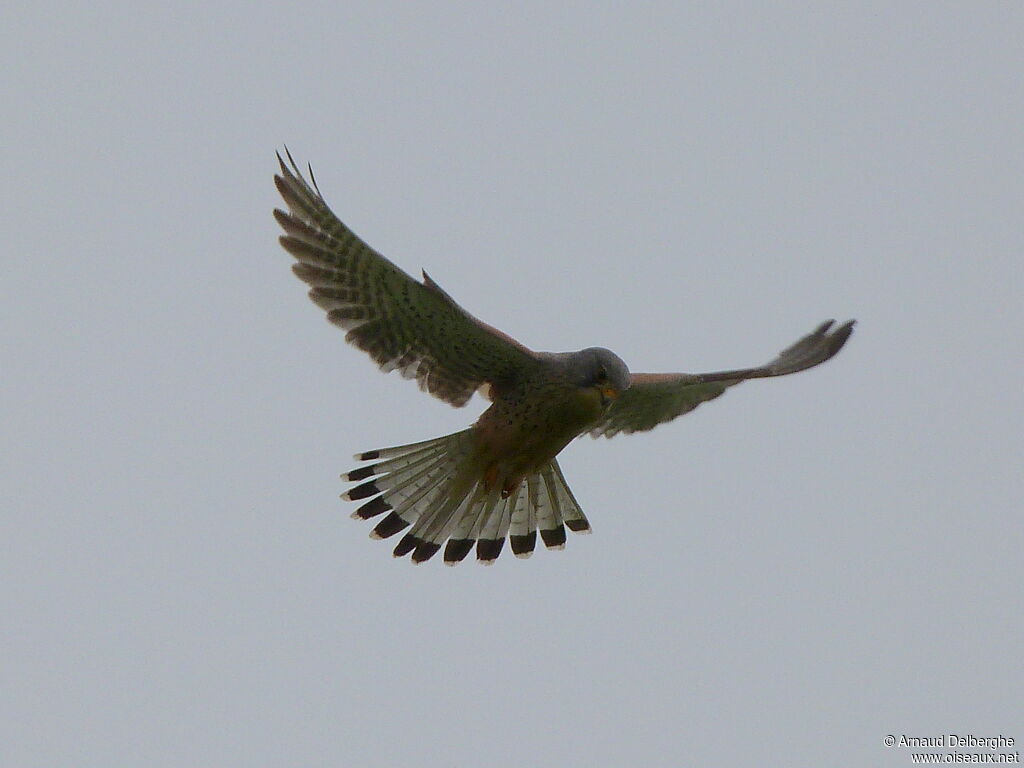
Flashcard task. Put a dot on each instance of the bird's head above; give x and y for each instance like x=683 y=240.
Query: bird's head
x=600 y=369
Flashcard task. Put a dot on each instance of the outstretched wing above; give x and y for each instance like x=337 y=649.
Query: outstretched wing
x=403 y=324
x=654 y=398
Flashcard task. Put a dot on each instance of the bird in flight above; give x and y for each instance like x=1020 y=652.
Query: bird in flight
x=499 y=478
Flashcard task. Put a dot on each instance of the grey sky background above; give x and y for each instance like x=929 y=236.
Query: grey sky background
x=782 y=577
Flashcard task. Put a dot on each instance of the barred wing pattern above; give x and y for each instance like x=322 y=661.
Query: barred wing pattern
x=654 y=398
x=403 y=324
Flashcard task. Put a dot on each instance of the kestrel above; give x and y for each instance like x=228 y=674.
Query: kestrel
x=499 y=478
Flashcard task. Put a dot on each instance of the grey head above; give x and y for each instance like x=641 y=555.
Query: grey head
x=598 y=367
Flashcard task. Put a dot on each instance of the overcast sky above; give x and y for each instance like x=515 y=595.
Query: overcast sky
x=783 y=577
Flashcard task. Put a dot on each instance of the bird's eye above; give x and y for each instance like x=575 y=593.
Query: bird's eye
x=602 y=375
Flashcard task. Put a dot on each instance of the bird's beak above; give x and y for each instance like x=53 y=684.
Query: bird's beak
x=608 y=395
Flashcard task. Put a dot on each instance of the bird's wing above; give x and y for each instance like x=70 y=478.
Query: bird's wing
x=654 y=398
x=401 y=323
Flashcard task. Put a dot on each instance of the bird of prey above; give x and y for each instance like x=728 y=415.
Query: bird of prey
x=499 y=478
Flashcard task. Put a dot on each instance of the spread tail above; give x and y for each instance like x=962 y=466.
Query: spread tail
x=434 y=487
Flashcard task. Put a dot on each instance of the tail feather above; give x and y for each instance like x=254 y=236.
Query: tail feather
x=487 y=550
x=401 y=493
x=385 y=482
x=466 y=521
x=467 y=527
x=572 y=513
x=408 y=482
x=400 y=450
x=393 y=474
x=389 y=526
x=523 y=525
x=396 y=466
x=488 y=508
x=435 y=514
x=493 y=527
x=430 y=527
x=549 y=511
x=405 y=489
x=431 y=486
x=489 y=545
x=506 y=514
x=455 y=550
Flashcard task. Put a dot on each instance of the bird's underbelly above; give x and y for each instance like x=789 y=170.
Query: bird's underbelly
x=516 y=438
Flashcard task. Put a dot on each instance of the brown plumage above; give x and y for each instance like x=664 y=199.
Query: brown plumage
x=499 y=478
